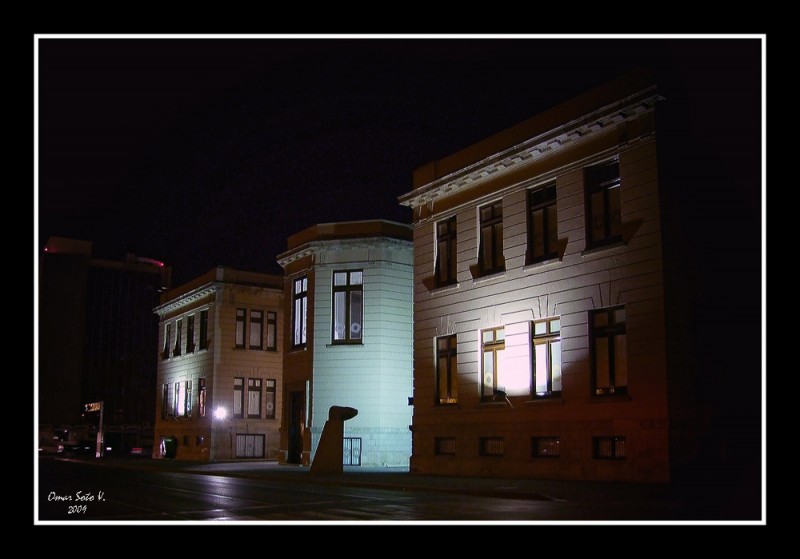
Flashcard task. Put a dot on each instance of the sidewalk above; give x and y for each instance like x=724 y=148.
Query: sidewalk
x=402 y=479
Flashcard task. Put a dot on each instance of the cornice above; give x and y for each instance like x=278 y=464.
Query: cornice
x=187 y=299
x=533 y=149
x=314 y=248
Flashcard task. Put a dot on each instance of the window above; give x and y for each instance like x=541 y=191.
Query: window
x=545 y=447
x=182 y=403
x=238 y=397
x=493 y=345
x=190 y=333
x=272 y=331
x=299 y=311
x=165 y=401
x=249 y=446
x=546 y=356
x=167 y=337
x=444 y=446
x=270 y=404
x=240 y=327
x=256 y=329
x=348 y=305
x=446 y=252
x=603 y=214
x=201 y=400
x=178 y=333
x=204 y=329
x=490 y=257
x=609 y=351
x=491 y=446
x=254 y=398
x=446 y=370
x=609 y=448
x=542 y=224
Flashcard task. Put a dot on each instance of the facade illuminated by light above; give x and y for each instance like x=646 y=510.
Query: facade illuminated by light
x=348 y=340
x=540 y=340
x=220 y=367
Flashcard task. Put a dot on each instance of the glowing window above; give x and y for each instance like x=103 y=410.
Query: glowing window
x=254 y=398
x=348 y=307
x=269 y=407
x=272 y=331
x=493 y=347
x=256 y=329
x=299 y=311
x=238 y=397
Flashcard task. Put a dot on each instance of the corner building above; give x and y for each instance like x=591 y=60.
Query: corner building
x=220 y=367
x=540 y=341
x=348 y=340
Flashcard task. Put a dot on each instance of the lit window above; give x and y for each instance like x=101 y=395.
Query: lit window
x=299 y=311
x=256 y=329
x=182 y=403
x=542 y=224
x=609 y=351
x=446 y=252
x=201 y=400
x=167 y=337
x=490 y=249
x=546 y=356
x=603 y=213
x=254 y=397
x=493 y=345
x=348 y=308
x=178 y=334
x=190 y=333
x=446 y=370
x=270 y=404
x=240 y=328
x=238 y=397
x=272 y=331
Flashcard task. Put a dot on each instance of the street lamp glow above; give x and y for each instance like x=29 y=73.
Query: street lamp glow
x=220 y=413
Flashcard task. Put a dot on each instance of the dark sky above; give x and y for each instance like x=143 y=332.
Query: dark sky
x=207 y=152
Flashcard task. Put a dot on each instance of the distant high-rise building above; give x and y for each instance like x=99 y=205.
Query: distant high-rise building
x=96 y=334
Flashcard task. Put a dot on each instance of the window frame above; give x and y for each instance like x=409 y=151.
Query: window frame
x=609 y=331
x=204 y=329
x=451 y=355
x=450 y=239
x=618 y=450
x=254 y=385
x=185 y=410
x=533 y=205
x=165 y=401
x=270 y=388
x=176 y=351
x=272 y=326
x=348 y=288
x=595 y=181
x=484 y=446
x=190 y=333
x=495 y=225
x=537 y=449
x=549 y=338
x=241 y=318
x=493 y=347
x=201 y=397
x=260 y=322
x=240 y=389
x=166 y=352
x=300 y=312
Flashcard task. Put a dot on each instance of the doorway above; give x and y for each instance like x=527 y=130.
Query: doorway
x=296 y=418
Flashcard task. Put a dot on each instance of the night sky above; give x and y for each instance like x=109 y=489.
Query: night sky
x=211 y=152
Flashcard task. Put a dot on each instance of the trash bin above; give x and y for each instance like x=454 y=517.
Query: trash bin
x=170 y=447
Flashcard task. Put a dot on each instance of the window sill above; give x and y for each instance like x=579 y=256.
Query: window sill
x=453 y=406
x=297 y=349
x=606 y=398
x=444 y=288
x=478 y=279
x=555 y=401
x=603 y=247
x=348 y=344
x=541 y=264
x=484 y=405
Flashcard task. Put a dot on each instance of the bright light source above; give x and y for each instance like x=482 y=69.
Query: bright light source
x=220 y=413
